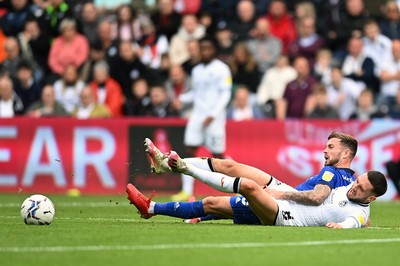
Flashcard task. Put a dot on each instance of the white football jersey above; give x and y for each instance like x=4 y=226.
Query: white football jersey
x=336 y=208
x=210 y=91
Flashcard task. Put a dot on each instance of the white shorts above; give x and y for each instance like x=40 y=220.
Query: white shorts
x=286 y=214
x=278 y=185
x=213 y=136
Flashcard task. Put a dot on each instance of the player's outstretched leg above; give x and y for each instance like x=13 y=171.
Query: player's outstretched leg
x=218 y=181
x=158 y=161
x=141 y=202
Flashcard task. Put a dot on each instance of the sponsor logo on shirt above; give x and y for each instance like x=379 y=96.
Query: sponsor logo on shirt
x=343 y=203
x=361 y=219
x=327 y=176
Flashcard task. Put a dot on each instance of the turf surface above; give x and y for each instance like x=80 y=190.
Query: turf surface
x=105 y=230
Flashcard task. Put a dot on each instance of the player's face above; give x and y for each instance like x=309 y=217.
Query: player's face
x=207 y=51
x=333 y=152
x=361 y=190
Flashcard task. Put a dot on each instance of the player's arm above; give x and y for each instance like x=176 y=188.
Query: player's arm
x=354 y=221
x=311 y=197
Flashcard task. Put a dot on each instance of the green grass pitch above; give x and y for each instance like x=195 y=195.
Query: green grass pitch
x=106 y=230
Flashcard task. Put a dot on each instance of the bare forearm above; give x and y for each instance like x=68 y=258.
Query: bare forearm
x=303 y=197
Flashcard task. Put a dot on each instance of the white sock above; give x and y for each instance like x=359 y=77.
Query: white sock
x=151 y=207
x=201 y=163
x=187 y=184
x=218 y=181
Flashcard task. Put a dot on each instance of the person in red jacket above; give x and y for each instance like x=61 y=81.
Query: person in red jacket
x=107 y=90
x=281 y=23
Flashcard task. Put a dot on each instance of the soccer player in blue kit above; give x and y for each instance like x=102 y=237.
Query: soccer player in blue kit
x=338 y=153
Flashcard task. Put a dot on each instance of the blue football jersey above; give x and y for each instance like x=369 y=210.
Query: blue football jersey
x=331 y=176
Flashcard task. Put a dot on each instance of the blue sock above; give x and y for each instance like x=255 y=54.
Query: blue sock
x=185 y=210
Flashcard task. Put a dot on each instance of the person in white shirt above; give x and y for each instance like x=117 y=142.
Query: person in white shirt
x=343 y=93
x=210 y=95
x=389 y=74
x=376 y=45
x=10 y=103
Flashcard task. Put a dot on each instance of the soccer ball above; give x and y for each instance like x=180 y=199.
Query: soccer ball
x=37 y=209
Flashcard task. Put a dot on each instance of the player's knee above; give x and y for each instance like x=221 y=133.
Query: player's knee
x=210 y=204
x=248 y=186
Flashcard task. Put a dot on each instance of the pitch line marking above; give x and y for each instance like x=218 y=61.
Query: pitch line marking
x=73 y=204
x=193 y=246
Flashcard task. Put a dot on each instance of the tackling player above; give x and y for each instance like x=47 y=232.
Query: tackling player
x=345 y=207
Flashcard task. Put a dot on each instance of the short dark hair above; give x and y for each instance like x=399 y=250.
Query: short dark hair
x=346 y=140
x=378 y=182
x=210 y=39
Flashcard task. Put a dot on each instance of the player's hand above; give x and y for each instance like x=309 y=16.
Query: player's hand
x=274 y=193
x=333 y=225
x=208 y=121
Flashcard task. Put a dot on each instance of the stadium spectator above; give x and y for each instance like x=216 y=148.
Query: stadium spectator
x=390 y=24
x=35 y=46
x=68 y=88
x=69 y=48
x=104 y=35
x=140 y=102
x=25 y=85
x=208 y=22
x=126 y=68
x=273 y=84
x=126 y=26
x=160 y=104
x=244 y=23
x=242 y=108
x=96 y=54
x=225 y=41
x=281 y=23
x=10 y=103
x=166 y=19
x=88 y=107
x=47 y=106
x=375 y=45
x=394 y=109
x=322 y=69
x=350 y=23
x=189 y=30
x=389 y=74
x=317 y=106
x=178 y=83
x=296 y=92
x=106 y=90
x=210 y=95
x=3 y=53
x=366 y=109
x=13 y=50
x=343 y=93
x=152 y=46
x=360 y=67
x=12 y=23
x=265 y=48
x=194 y=56
x=308 y=42
x=244 y=68
x=53 y=15
x=89 y=21
x=185 y=7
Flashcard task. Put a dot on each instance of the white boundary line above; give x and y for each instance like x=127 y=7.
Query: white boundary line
x=193 y=246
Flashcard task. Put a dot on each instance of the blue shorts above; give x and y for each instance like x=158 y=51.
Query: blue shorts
x=242 y=213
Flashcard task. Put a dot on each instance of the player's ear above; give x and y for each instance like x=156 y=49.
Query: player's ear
x=371 y=198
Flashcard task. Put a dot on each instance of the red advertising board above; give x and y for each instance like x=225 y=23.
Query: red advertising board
x=101 y=156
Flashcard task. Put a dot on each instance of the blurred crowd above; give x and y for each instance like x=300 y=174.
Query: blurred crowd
x=332 y=59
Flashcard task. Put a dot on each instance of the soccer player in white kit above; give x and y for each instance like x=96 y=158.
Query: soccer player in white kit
x=210 y=94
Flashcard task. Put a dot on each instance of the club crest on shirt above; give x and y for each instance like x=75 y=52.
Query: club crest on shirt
x=327 y=176
x=343 y=203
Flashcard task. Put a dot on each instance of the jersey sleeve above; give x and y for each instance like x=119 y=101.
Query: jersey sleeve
x=327 y=176
x=355 y=221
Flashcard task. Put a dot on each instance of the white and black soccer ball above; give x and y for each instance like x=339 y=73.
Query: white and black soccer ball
x=38 y=210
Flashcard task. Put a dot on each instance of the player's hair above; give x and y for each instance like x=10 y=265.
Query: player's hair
x=378 y=182
x=346 y=140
